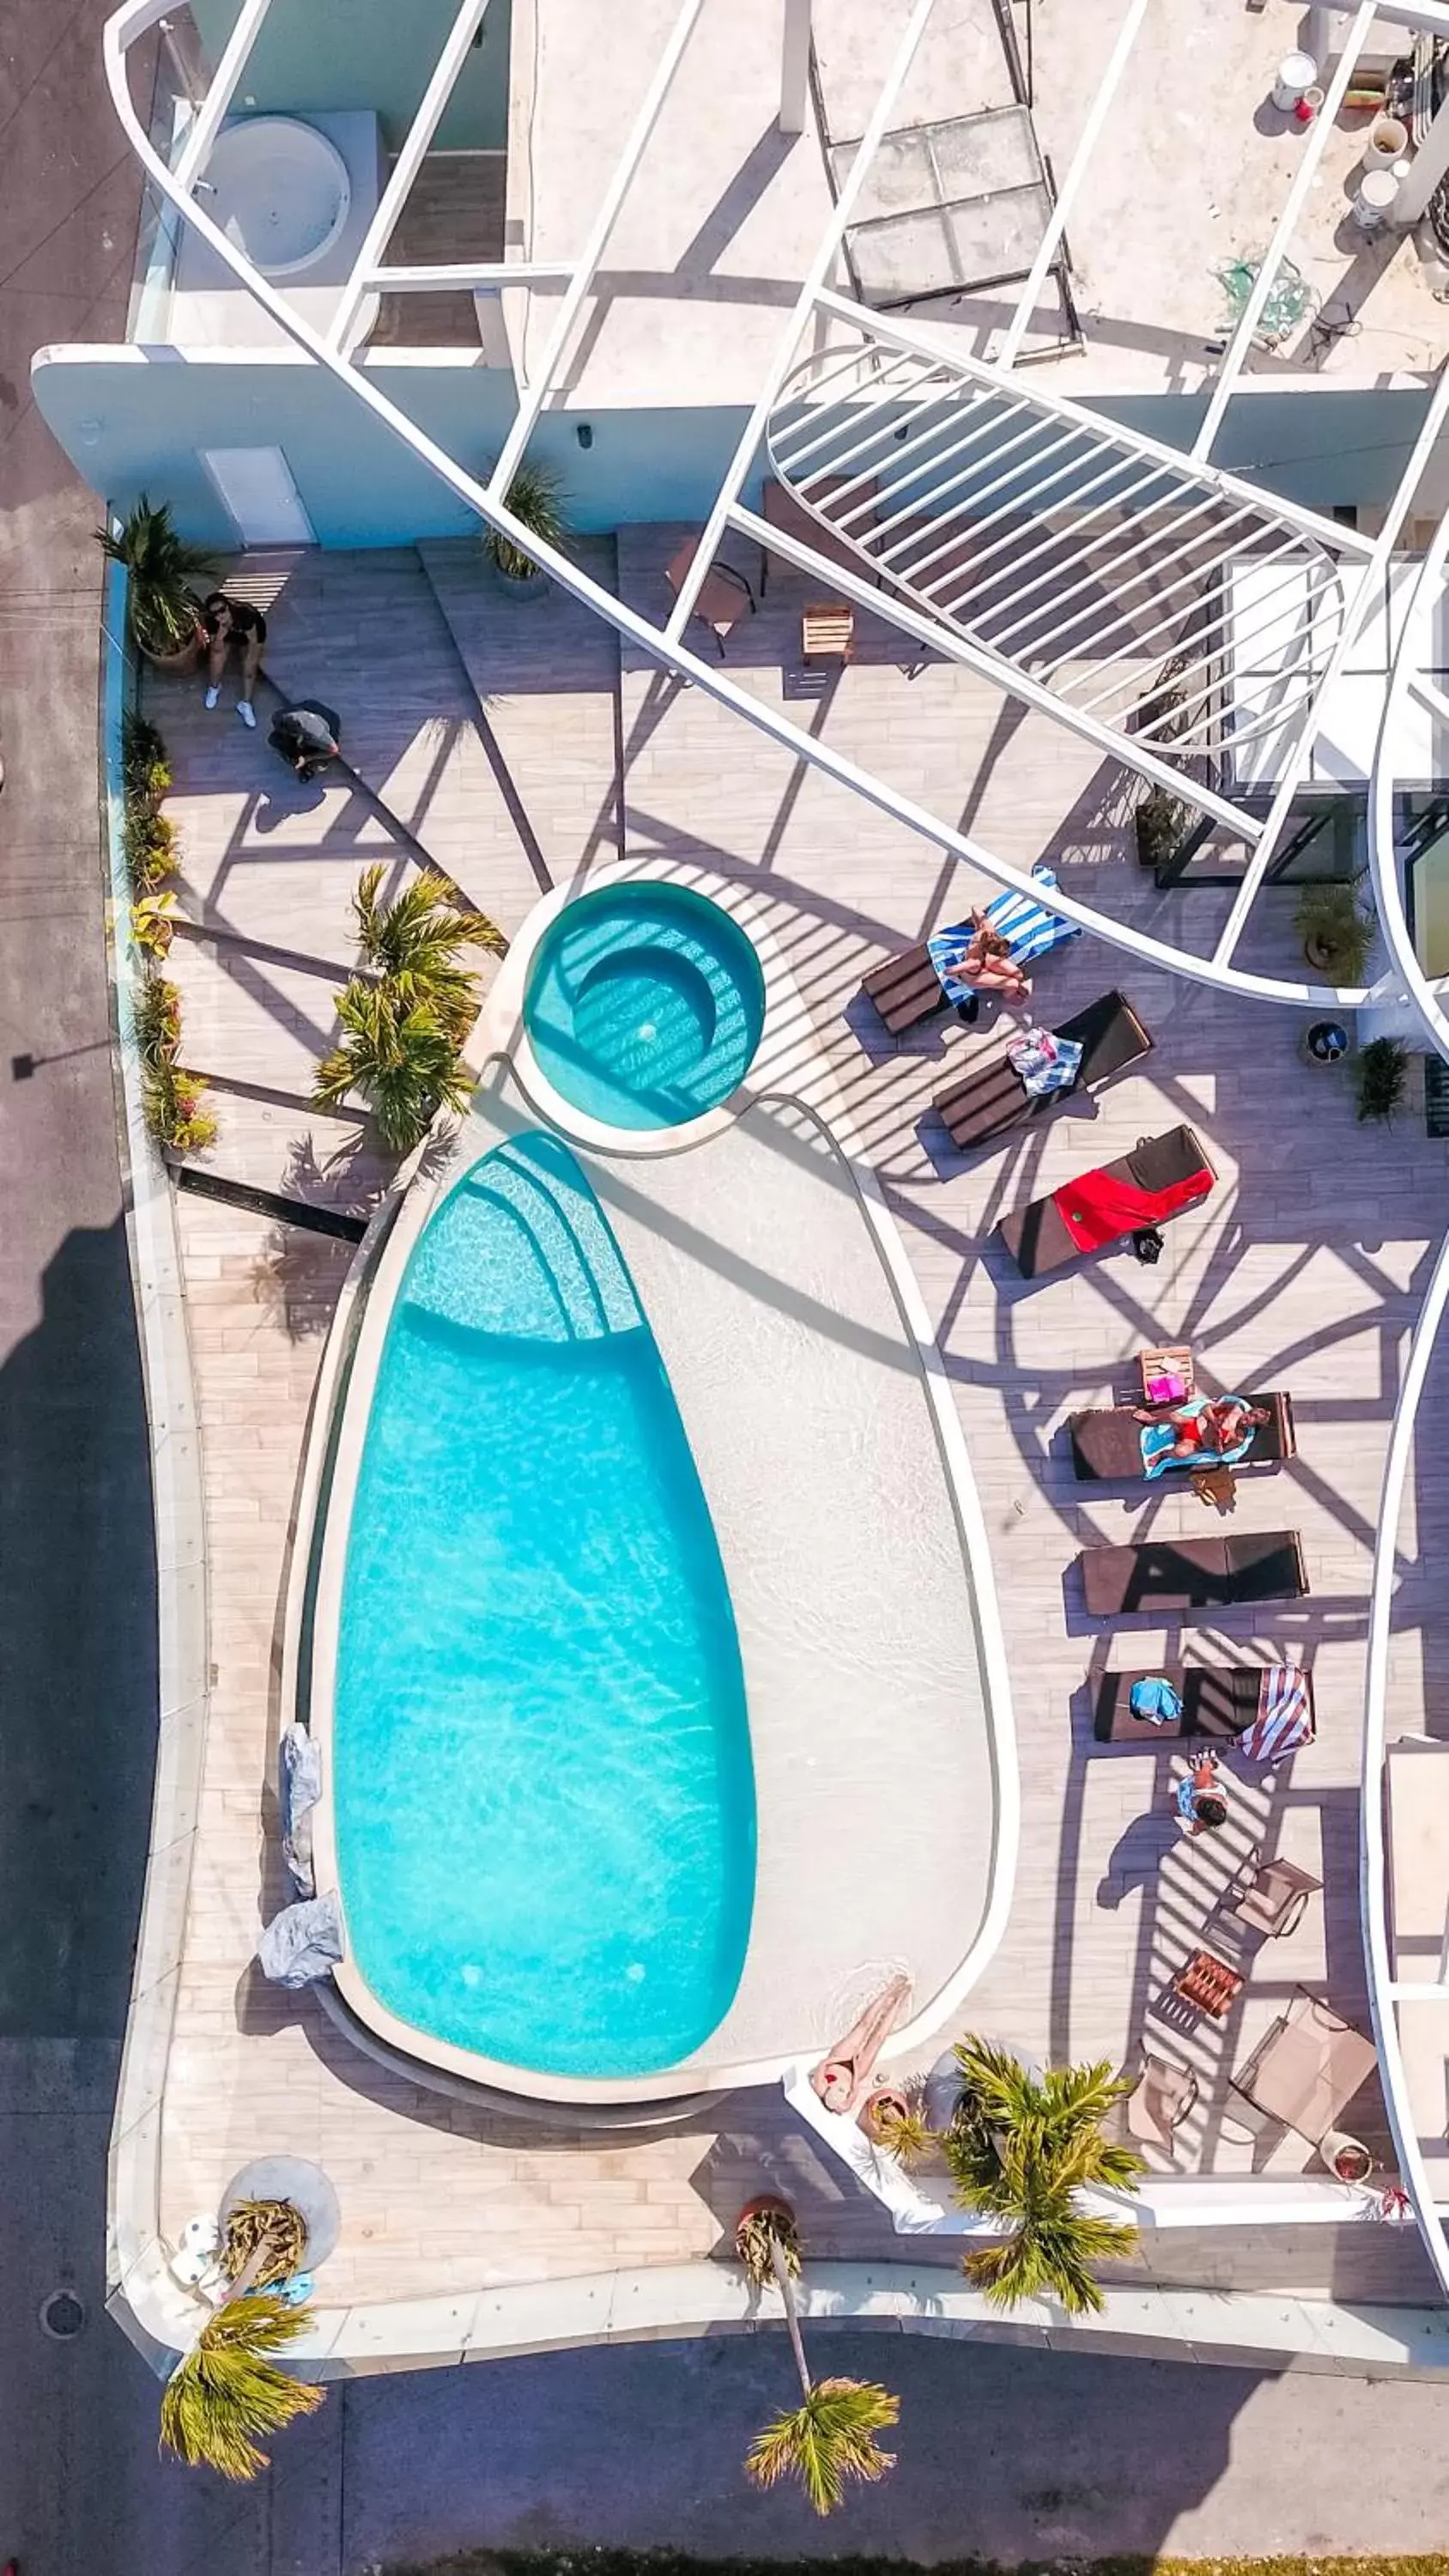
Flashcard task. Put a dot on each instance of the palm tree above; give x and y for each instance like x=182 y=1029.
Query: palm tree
x=227 y=2390
x=536 y=499
x=829 y=2438
x=413 y=942
x=161 y=567
x=400 y=1056
x=1021 y=2147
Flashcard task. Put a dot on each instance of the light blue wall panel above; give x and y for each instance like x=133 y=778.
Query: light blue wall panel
x=136 y=421
x=370 y=53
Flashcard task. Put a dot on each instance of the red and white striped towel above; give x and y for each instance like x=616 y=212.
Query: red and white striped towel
x=1285 y=1715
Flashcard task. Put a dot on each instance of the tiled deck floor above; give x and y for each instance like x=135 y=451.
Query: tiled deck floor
x=1303 y=1271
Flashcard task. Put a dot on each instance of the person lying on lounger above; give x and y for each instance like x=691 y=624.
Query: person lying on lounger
x=987 y=965
x=1209 y=1429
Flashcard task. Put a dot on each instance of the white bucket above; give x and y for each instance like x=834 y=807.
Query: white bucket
x=1386 y=143
x=1296 y=73
x=1374 y=202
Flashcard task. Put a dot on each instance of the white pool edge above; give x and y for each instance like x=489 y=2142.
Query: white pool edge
x=500 y=1038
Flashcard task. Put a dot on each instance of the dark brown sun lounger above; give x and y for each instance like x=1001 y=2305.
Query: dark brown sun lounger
x=1192 y=1574
x=1107 y=1445
x=991 y=1097
x=1217 y=1699
x=1037 y=1236
x=906 y=989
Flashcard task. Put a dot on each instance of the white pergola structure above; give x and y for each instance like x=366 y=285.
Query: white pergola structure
x=1095 y=574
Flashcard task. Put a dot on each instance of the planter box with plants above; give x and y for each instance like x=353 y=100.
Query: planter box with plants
x=1380 y=1073
x=174 y=1100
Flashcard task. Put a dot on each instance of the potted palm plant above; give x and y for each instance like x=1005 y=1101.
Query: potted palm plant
x=1021 y=2146
x=162 y=607
x=897 y=2121
x=400 y=1055
x=227 y=2391
x=536 y=500
x=1381 y=1072
x=830 y=2437
x=1336 y=932
x=413 y=943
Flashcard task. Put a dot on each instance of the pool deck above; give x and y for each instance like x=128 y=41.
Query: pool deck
x=512 y=747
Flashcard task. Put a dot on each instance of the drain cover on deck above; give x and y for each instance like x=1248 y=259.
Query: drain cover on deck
x=62 y=2315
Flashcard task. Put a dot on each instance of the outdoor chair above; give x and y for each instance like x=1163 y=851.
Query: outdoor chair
x=1163 y=1177
x=1275 y=1899
x=827 y=632
x=723 y=598
x=1221 y=1700
x=1107 y=1443
x=1161 y=2099
x=991 y=1098
x=1192 y=1574
x=1307 y=2068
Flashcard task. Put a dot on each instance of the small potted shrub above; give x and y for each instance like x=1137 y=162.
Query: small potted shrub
x=1159 y=822
x=145 y=769
x=536 y=498
x=1336 y=932
x=897 y=2122
x=1381 y=1071
x=163 y=610
x=766 y=2226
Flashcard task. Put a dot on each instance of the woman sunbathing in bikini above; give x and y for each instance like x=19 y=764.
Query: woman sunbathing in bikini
x=987 y=965
x=1209 y=1429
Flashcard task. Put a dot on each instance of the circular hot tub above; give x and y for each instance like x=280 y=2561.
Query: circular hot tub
x=279 y=190
x=644 y=1005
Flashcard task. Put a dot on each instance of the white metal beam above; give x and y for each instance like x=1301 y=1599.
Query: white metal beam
x=1005 y=353
x=467 y=273
x=826 y=251
x=542 y=376
x=794 y=66
x=204 y=126
x=455 y=52
x=1236 y=353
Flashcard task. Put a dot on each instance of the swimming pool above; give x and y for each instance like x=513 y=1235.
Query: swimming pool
x=542 y=1777
x=644 y=1005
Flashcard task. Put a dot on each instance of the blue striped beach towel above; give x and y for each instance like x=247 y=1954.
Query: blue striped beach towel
x=1028 y=927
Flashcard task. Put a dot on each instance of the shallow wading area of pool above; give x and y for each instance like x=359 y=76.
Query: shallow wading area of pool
x=650 y=1646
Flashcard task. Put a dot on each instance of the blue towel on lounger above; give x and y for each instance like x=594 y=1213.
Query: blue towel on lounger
x=1159 y=1439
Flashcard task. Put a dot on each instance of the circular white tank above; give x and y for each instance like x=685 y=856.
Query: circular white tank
x=279 y=190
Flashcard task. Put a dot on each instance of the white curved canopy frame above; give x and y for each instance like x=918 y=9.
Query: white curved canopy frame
x=666 y=644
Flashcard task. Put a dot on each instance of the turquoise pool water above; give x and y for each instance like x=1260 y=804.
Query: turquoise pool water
x=645 y=1005
x=542 y=1780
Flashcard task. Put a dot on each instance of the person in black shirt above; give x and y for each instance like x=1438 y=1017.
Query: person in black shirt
x=227 y=622
x=307 y=735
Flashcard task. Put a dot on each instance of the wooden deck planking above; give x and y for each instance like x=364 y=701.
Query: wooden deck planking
x=1304 y=1269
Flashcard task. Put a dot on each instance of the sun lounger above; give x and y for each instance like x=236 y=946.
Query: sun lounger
x=1221 y=1700
x=991 y=1097
x=1107 y=1445
x=1192 y=1574
x=906 y=989
x=1165 y=1175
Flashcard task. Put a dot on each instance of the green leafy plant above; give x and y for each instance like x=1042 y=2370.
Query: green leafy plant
x=536 y=499
x=157 y=1007
x=227 y=2392
x=400 y=1056
x=828 y=2440
x=413 y=943
x=161 y=568
x=1381 y=1071
x=145 y=768
x=1159 y=822
x=907 y=2135
x=172 y=1101
x=153 y=923
x=1336 y=932
x=1020 y=2148
x=149 y=847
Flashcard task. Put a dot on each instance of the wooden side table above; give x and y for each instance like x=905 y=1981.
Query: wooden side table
x=1175 y=1361
x=827 y=632
x=1208 y=1984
